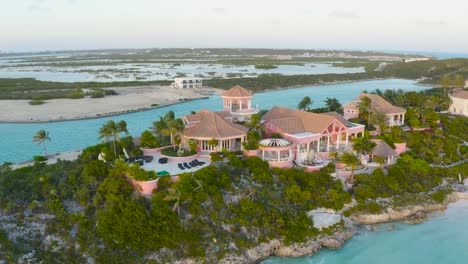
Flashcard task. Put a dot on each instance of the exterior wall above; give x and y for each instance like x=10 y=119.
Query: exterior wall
x=250 y=153
x=188 y=83
x=284 y=164
x=459 y=106
x=181 y=159
x=400 y=148
x=146 y=187
x=350 y=112
x=153 y=151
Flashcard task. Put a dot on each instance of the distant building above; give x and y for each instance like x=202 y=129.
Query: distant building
x=188 y=82
x=459 y=104
x=395 y=114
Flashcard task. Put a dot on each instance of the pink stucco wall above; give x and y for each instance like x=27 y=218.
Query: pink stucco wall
x=146 y=187
x=153 y=151
x=181 y=159
x=250 y=153
x=350 y=115
x=400 y=147
x=283 y=164
x=312 y=168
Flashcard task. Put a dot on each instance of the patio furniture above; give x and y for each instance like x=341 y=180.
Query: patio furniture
x=180 y=166
x=148 y=159
x=186 y=165
x=193 y=163
x=163 y=160
x=163 y=173
x=200 y=162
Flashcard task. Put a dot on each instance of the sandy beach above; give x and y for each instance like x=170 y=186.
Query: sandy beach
x=129 y=99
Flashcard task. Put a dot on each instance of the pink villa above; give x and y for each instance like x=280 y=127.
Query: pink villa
x=206 y=125
x=238 y=102
x=395 y=114
x=312 y=135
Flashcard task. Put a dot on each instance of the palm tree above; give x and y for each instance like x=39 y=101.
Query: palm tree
x=332 y=104
x=40 y=138
x=379 y=121
x=113 y=129
x=352 y=161
x=255 y=124
x=362 y=144
x=174 y=195
x=175 y=129
x=365 y=107
x=161 y=129
x=305 y=103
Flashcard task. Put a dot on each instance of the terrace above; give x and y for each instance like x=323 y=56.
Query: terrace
x=164 y=165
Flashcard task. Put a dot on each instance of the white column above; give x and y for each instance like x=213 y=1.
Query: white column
x=308 y=147
x=263 y=154
x=328 y=143
x=402 y=119
x=338 y=140
x=290 y=154
x=347 y=138
x=249 y=104
x=278 y=153
x=230 y=105
x=240 y=104
x=318 y=145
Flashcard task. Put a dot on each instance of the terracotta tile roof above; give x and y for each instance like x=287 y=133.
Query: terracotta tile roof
x=237 y=91
x=293 y=121
x=337 y=116
x=382 y=149
x=199 y=116
x=460 y=93
x=378 y=104
x=213 y=125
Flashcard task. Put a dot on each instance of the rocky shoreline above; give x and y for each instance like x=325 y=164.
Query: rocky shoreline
x=412 y=215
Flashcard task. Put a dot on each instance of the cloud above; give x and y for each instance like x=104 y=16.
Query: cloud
x=337 y=14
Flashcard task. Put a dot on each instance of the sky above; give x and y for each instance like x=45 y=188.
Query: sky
x=415 y=25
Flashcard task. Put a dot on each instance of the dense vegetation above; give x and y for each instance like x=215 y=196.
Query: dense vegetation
x=237 y=202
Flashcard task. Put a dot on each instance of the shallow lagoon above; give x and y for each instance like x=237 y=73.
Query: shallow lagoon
x=16 y=142
x=441 y=239
x=156 y=71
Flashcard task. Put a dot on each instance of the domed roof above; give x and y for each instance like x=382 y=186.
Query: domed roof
x=274 y=142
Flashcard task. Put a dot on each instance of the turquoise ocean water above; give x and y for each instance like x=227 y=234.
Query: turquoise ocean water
x=441 y=239
x=15 y=138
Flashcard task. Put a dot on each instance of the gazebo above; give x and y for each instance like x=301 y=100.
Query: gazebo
x=238 y=102
x=382 y=149
x=278 y=152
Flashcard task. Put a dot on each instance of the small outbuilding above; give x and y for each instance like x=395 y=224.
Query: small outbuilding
x=382 y=149
x=278 y=152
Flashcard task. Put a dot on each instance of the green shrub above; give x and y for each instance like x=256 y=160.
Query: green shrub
x=438 y=196
x=215 y=156
x=148 y=140
x=40 y=158
x=76 y=94
x=174 y=152
x=137 y=152
x=36 y=102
